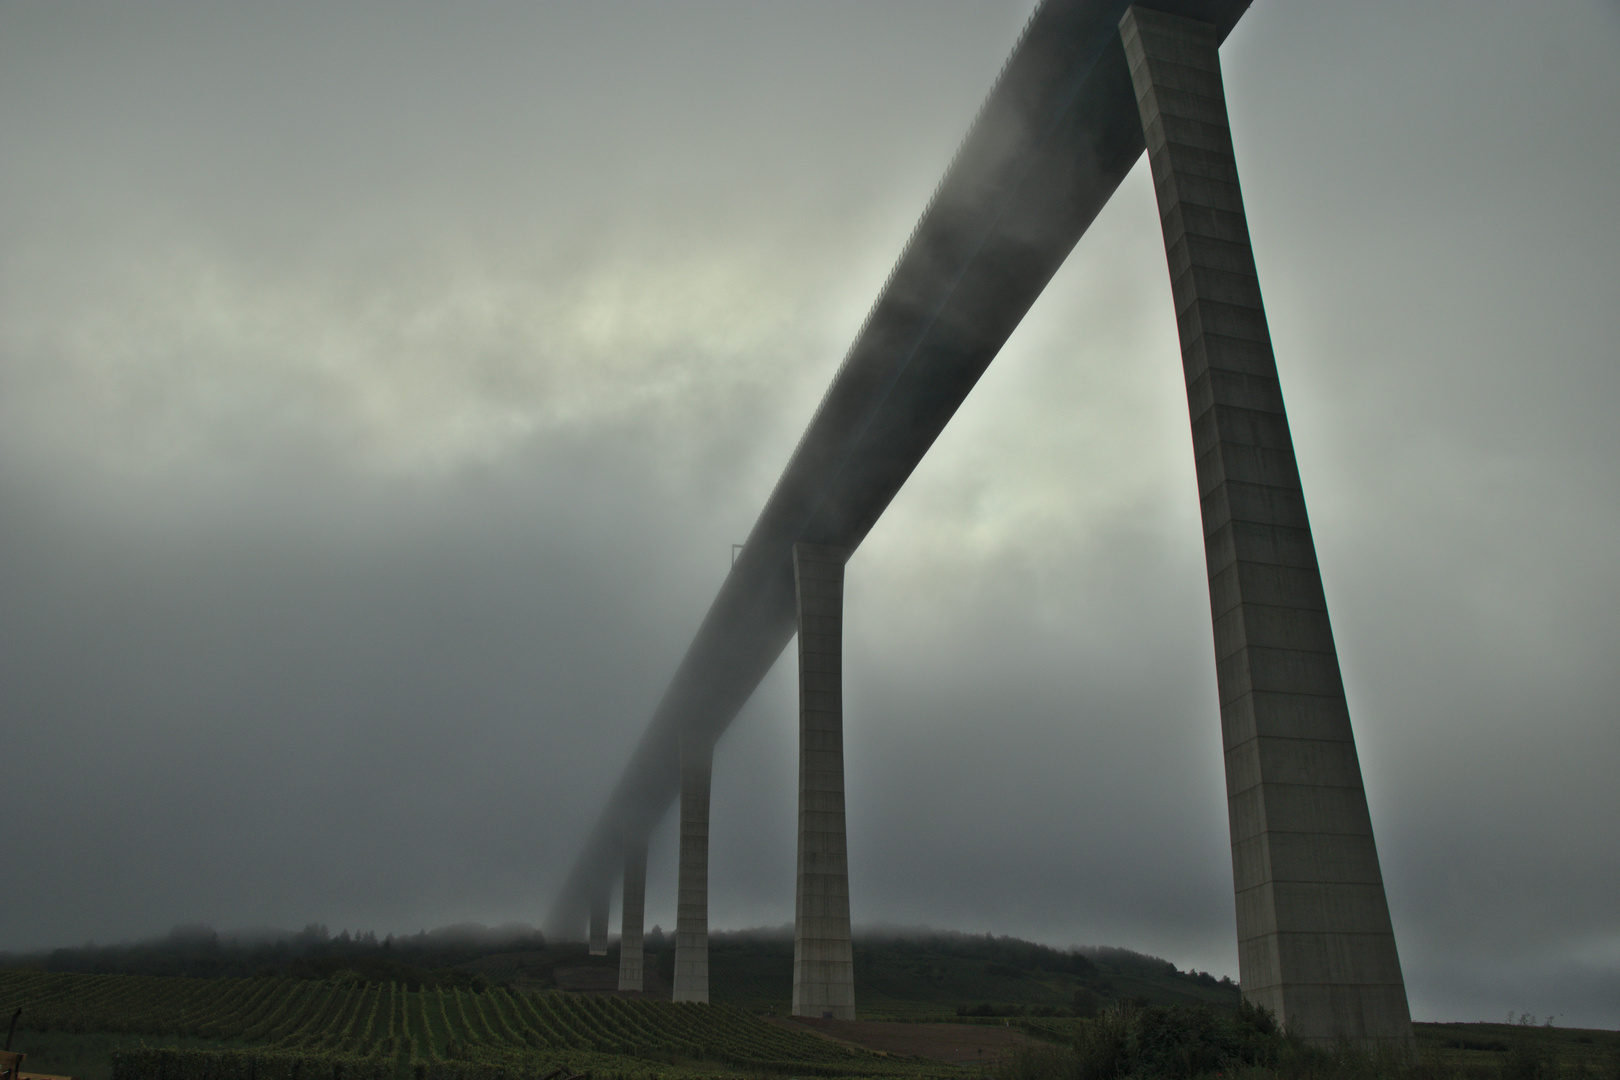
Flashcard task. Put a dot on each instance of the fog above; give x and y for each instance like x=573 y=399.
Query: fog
x=382 y=388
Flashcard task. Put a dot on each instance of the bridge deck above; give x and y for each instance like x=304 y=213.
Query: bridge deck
x=1055 y=137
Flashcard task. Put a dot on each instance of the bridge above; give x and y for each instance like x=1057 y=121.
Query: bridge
x=1089 y=86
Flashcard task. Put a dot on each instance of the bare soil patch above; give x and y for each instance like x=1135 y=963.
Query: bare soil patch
x=954 y=1044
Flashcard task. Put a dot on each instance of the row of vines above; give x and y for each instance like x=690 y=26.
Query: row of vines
x=357 y=1020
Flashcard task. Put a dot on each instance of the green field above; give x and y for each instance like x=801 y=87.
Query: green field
x=1527 y=1051
x=511 y=1016
x=74 y=1019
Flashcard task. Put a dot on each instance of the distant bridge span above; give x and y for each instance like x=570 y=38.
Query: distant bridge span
x=1089 y=85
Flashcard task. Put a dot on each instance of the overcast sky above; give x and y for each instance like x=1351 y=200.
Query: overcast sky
x=382 y=386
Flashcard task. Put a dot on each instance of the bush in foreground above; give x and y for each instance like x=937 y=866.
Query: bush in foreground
x=1183 y=1042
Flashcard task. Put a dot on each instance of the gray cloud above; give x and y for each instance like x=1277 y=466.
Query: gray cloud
x=383 y=388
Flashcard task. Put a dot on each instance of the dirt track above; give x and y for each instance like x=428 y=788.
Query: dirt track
x=955 y=1044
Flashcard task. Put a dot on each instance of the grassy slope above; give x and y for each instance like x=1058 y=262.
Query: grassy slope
x=898 y=979
x=88 y=1055
x=1526 y=1046
x=930 y=976
x=914 y=978
x=1479 y=1050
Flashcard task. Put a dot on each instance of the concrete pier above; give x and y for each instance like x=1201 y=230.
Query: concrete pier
x=633 y=915
x=599 y=923
x=823 y=969
x=1315 y=944
x=692 y=889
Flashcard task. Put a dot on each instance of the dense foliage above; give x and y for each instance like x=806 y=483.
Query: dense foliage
x=1183 y=1043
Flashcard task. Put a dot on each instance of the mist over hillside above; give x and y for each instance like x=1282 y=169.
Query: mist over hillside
x=200 y=951
x=908 y=970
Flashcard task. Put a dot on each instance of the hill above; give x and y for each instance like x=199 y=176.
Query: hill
x=543 y=1021
x=899 y=975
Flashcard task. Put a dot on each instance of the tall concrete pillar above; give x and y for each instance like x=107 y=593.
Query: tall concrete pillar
x=599 y=922
x=692 y=889
x=823 y=968
x=634 y=914
x=1315 y=944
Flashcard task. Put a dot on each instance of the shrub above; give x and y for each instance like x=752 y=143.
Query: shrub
x=1174 y=1043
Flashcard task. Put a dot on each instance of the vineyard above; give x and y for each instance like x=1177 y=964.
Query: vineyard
x=398 y=1029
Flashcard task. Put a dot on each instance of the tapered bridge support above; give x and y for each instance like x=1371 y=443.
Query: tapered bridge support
x=1315 y=944
x=692 y=886
x=823 y=968
x=633 y=915
x=599 y=922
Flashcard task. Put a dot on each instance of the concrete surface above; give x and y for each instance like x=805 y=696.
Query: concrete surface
x=599 y=923
x=1052 y=141
x=633 y=915
x=823 y=967
x=692 y=889
x=1315 y=944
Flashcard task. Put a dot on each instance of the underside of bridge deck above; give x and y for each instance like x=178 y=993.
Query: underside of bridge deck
x=1063 y=124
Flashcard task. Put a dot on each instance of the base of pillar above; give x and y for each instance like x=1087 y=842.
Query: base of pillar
x=691 y=974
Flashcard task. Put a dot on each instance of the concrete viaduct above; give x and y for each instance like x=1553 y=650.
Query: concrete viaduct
x=1089 y=86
